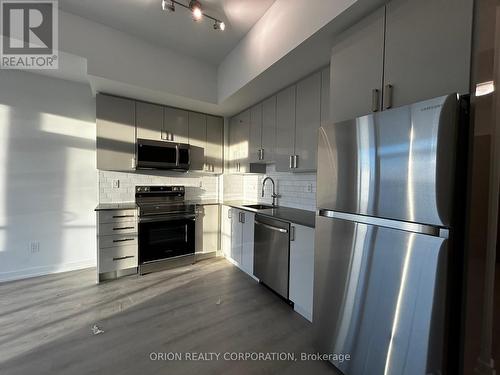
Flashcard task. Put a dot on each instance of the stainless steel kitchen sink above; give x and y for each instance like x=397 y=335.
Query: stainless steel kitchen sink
x=259 y=206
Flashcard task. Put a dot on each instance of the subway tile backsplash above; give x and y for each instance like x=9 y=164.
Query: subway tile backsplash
x=297 y=190
x=197 y=187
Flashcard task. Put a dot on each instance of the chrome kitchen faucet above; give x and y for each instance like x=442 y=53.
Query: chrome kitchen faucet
x=273 y=195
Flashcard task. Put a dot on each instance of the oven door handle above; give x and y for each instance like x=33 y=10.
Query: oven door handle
x=150 y=219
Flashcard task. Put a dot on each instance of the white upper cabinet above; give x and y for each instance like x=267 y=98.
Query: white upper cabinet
x=149 y=121
x=175 y=125
x=308 y=120
x=427 y=49
x=255 y=134
x=403 y=53
x=285 y=129
x=356 y=69
x=268 y=129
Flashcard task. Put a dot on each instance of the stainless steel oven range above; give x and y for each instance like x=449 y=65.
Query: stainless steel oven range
x=166 y=227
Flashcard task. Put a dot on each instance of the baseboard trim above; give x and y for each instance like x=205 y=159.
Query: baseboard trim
x=46 y=270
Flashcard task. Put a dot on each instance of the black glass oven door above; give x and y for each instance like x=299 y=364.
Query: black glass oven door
x=165 y=239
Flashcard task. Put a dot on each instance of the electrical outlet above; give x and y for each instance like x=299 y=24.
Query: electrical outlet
x=309 y=188
x=116 y=184
x=34 y=246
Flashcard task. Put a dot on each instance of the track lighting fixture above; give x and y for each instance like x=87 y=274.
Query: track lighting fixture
x=196 y=11
x=168 y=5
x=195 y=7
x=218 y=25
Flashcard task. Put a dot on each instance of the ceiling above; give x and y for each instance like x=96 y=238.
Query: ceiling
x=177 y=31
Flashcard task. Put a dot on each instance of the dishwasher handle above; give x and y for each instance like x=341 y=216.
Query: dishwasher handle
x=271 y=227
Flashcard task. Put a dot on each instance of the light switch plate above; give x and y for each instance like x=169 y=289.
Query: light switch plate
x=116 y=184
x=309 y=188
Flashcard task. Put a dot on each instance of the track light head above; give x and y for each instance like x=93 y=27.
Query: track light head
x=168 y=5
x=219 y=25
x=195 y=7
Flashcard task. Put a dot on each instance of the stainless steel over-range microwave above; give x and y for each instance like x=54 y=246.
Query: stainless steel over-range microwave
x=162 y=155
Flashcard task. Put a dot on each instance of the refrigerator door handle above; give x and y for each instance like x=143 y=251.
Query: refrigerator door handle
x=430 y=230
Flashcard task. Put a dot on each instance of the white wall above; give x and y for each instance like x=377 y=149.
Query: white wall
x=285 y=25
x=48 y=180
x=123 y=58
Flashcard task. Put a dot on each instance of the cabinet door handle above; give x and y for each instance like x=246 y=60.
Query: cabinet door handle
x=262 y=154
x=120 y=216
x=121 y=258
x=124 y=240
x=292 y=233
x=243 y=217
x=123 y=228
x=291 y=161
x=388 y=96
x=229 y=212
x=375 y=99
x=171 y=136
x=295 y=161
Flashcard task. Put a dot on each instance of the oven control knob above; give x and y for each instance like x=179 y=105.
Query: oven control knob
x=139 y=189
x=146 y=188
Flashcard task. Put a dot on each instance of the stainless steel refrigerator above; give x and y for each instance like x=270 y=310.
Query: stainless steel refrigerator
x=386 y=197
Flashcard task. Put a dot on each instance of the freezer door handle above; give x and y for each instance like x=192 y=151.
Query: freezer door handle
x=388 y=223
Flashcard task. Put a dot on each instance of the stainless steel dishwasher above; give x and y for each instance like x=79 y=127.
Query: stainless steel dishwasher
x=272 y=253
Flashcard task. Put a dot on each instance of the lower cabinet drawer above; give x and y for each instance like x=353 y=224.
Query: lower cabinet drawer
x=117 y=228
x=118 y=240
x=116 y=216
x=117 y=258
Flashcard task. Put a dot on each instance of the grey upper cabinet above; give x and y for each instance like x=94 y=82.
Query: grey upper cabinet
x=232 y=162
x=239 y=137
x=175 y=125
x=307 y=123
x=115 y=143
x=214 y=148
x=197 y=140
x=403 y=53
x=356 y=68
x=268 y=129
x=285 y=128
x=255 y=141
x=427 y=49
x=149 y=121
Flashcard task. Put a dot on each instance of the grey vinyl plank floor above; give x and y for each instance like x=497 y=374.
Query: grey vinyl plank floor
x=209 y=307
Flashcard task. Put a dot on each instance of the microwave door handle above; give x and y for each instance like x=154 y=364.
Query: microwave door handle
x=176 y=155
